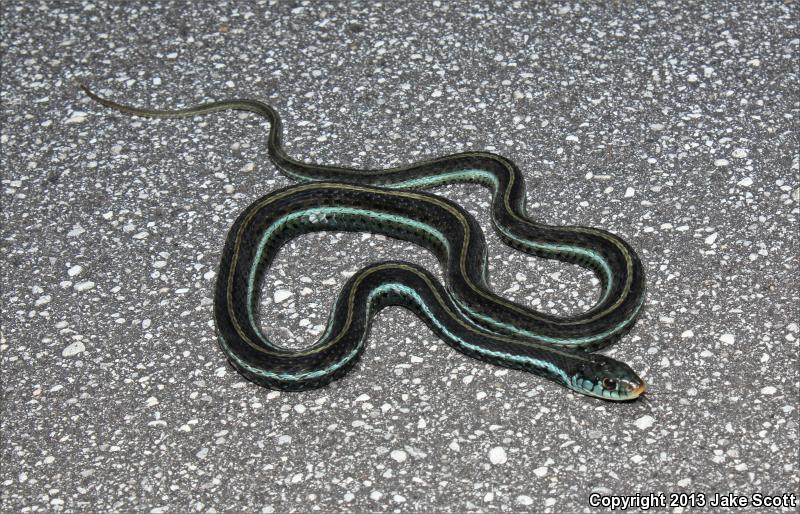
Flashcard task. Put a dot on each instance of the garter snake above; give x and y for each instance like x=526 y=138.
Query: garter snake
x=465 y=312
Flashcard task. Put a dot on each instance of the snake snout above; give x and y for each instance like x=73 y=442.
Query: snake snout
x=633 y=389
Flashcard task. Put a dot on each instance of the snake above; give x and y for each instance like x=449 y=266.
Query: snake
x=462 y=310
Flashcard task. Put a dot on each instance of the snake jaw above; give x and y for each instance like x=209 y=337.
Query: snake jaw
x=631 y=389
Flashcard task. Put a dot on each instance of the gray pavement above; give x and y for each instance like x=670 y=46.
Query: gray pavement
x=672 y=124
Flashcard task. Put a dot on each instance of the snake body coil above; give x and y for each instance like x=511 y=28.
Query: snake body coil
x=465 y=313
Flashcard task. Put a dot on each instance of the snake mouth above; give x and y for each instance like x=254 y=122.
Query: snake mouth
x=639 y=390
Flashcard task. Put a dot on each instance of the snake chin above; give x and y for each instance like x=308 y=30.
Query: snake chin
x=606 y=378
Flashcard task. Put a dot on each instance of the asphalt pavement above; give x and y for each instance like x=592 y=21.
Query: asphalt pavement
x=672 y=124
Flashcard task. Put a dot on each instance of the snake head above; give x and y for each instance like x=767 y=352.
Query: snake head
x=606 y=378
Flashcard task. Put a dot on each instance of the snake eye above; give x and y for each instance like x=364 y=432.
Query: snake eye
x=609 y=384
